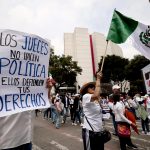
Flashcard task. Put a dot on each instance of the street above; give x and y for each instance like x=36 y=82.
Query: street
x=68 y=137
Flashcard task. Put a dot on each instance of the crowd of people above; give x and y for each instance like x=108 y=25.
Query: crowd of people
x=86 y=109
x=89 y=107
x=63 y=106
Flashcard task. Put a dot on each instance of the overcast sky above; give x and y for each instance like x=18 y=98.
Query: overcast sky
x=51 y=18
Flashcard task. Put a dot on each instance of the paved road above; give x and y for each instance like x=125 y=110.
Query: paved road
x=68 y=137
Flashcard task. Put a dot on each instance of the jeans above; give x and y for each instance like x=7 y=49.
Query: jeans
x=114 y=123
x=65 y=113
x=58 y=120
x=76 y=114
x=53 y=113
x=46 y=113
x=145 y=124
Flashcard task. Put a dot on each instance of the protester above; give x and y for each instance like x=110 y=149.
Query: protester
x=143 y=114
x=119 y=111
x=111 y=107
x=137 y=99
x=58 y=112
x=131 y=104
x=53 y=110
x=76 y=109
x=71 y=107
x=66 y=109
x=148 y=104
x=93 y=115
x=36 y=112
x=16 y=130
x=115 y=90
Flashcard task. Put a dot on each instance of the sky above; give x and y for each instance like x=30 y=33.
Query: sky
x=50 y=19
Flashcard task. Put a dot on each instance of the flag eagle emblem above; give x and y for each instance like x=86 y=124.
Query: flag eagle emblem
x=145 y=37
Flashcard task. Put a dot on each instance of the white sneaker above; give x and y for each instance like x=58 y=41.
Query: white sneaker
x=81 y=124
x=143 y=132
x=148 y=133
x=75 y=124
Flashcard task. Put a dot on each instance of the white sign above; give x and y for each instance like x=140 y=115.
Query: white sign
x=24 y=60
x=146 y=76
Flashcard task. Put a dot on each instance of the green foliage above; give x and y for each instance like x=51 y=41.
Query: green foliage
x=133 y=69
x=113 y=68
x=118 y=69
x=63 y=69
x=134 y=73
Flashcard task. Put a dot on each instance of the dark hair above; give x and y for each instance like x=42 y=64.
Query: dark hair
x=116 y=98
x=52 y=100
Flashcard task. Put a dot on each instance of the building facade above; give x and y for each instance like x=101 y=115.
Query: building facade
x=87 y=50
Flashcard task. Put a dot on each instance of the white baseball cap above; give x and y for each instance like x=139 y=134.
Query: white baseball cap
x=116 y=87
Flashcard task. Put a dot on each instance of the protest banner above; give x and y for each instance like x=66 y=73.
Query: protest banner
x=146 y=76
x=24 y=60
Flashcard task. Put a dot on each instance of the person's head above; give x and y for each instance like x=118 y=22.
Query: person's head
x=110 y=98
x=88 y=88
x=116 y=98
x=116 y=89
x=146 y=96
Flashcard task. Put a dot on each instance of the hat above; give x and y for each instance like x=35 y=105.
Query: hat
x=146 y=96
x=86 y=86
x=116 y=87
x=138 y=99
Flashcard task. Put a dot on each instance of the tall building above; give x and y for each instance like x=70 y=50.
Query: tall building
x=87 y=50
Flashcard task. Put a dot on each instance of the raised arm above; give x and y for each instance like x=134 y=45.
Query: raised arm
x=97 y=91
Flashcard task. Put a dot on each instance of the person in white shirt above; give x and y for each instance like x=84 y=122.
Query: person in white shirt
x=115 y=90
x=119 y=111
x=16 y=130
x=93 y=115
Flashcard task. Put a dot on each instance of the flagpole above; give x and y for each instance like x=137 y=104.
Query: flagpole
x=104 y=56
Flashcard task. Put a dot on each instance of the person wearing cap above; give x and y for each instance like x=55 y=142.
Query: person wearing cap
x=111 y=107
x=92 y=114
x=116 y=89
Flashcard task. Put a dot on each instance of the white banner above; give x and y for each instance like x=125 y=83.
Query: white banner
x=24 y=60
x=146 y=76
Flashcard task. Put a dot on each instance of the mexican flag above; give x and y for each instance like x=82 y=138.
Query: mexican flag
x=124 y=29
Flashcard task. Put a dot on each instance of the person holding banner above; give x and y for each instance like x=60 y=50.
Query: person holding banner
x=16 y=130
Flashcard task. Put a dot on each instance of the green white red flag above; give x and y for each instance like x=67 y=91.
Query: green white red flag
x=126 y=30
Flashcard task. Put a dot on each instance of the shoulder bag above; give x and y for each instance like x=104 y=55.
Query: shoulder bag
x=105 y=134
x=123 y=129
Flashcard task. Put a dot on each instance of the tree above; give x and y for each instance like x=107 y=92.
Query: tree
x=63 y=69
x=134 y=73
x=113 y=69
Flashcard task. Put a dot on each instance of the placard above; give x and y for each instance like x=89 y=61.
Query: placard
x=24 y=60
